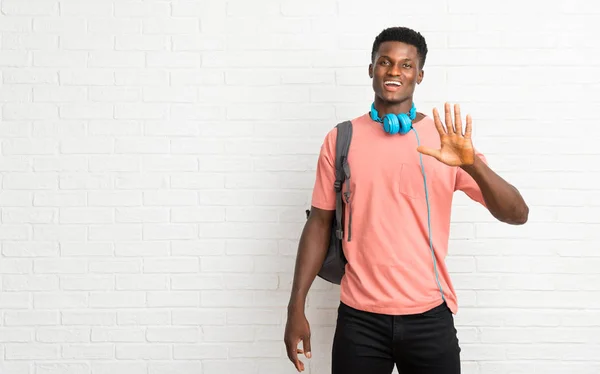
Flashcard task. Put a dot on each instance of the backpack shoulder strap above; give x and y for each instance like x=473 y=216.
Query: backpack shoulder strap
x=342 y=175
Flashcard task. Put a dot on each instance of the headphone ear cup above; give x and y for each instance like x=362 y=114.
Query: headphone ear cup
x=404 y=123
x=391 y=125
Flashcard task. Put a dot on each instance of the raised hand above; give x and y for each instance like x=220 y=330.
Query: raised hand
x=456 y=147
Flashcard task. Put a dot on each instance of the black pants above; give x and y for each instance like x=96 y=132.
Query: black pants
x=370 y=343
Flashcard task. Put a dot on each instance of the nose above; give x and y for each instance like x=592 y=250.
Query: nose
x=394 y=70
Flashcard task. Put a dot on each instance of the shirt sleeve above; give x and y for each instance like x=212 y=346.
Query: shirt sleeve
x=466 y=184
x=323 y=195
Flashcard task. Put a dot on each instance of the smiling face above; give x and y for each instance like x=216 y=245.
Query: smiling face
x=395 y=72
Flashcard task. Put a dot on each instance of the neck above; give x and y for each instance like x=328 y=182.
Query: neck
x=384 y=108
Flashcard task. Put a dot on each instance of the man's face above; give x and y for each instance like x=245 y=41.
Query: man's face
x=395 y=71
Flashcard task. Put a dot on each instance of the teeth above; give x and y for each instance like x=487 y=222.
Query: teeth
x=394 y=83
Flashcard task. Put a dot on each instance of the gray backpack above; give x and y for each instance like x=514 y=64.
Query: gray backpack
x=334 y=265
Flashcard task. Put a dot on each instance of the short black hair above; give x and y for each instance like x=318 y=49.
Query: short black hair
x=404 y=35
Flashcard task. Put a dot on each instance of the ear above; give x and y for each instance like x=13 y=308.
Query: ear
x=420 y=77
x=371 y=71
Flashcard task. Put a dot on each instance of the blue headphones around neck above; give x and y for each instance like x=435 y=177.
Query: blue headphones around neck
x=395 y=123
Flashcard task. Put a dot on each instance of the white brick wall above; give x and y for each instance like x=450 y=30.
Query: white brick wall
x=157 y=157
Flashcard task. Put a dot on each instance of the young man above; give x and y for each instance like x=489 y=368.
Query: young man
x=397 y=299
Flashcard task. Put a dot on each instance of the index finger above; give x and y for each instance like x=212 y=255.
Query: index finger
x=292 y=353
x=437 y=122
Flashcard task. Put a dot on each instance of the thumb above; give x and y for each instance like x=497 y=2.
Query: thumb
x=306 y=346
x=429 y=151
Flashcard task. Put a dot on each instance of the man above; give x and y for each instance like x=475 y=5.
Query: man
x=397 y=299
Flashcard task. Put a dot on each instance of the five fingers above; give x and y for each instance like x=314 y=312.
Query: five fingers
x=452 y=126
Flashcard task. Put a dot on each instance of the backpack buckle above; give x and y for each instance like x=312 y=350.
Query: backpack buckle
x=337 y=186
x=339 y=233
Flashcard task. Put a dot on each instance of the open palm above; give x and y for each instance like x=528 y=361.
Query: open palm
x=456 y=147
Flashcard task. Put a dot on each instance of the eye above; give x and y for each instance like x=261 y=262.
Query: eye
x=408 y=66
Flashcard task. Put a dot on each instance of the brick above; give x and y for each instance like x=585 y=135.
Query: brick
x=173 y=299
x=125 y=335
x=32 y=8
x=115 y=232
x=86 y=77
x=167 y=26
x=198 y=43
x=59 y=232
x=62 y=300
x=204 y=214
x=144 y=318
x=156 y=265
x=174 y=334
x=117 y=299
x=15 y=335
x=142 y=215
x=142 y=9
x=62 y=368
x=119 y=366
x=30 y=282
x=89 y=318
x=154 y=352
x=87 y=146
x=63 y=59
x=134 y=181
x=16 y=266
x=63 y=335
x=170 y=95
x=141 y=43
x=139 y=249
x=120 y=266
x=111 y=25
x=16 y=24
x=31 y=318
x=187 y=8
x=116 y=59
x=88 y=352
x=140 y=111
x=30 y=249
x=115 y=198
x=31 y=41
x=89 y=42
x=14 y=301
x=36 y=351
x=29 y=215
x=141 y=282
x=13 y=59
x=145 y=77
x=60 y=164
x=180 y=367
x=29 y=111
x=173 y=60
x=198 y=316
x=204 y=77
x=73 y=8
x=114 y=94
